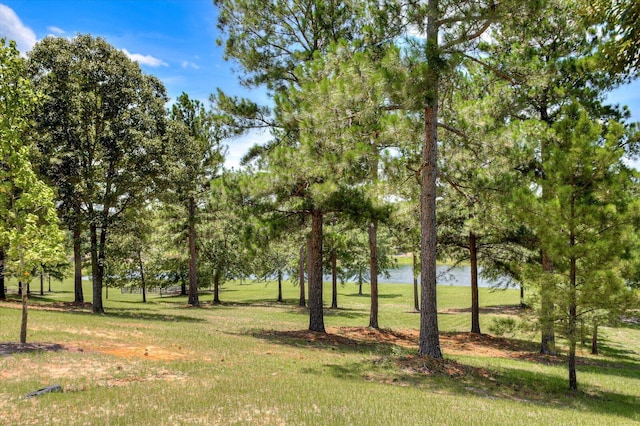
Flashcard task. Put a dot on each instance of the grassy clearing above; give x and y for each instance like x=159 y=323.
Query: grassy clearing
x=250 y=361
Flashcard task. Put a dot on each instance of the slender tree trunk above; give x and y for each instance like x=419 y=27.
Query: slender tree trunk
x=316 y=314
x=360 y=280
x=216 y=285
x=573 y=381
x=573 y=316
x=77 y=264
x=594 y=339
x=416 y=302
x=547 y=308
x=429 y=343
x=3 y=293
x=193 y=271
x=373 y=252
x=41 y=283
x=142 y=280
x=25 y=299
x=522 y=304
x=23 y=324
x=183 y=287
x=302 y=301
x=49 y=282
x=475 y=303
x=96 y=270
x=373 y=267
x=309 y=265
x=280 y=300
x=334 y=279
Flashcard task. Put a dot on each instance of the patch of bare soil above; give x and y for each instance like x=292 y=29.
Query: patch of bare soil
x=147 y=352
x=120 y=350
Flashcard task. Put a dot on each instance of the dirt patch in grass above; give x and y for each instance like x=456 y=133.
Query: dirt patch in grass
x=154 y=353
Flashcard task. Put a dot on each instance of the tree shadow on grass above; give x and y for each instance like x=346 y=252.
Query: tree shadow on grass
x=150 y=316
x=326 y=341
x=507 y=383
x=10 y=348
x=392 y=360
x=125 y=313
x=380 y=296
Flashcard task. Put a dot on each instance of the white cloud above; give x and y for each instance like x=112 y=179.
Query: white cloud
x=56 y=30
x=12 y=28
x=187 y=64
x=239 y=146
x=145 y=59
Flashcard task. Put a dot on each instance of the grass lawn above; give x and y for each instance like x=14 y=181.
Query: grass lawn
x=251 y=361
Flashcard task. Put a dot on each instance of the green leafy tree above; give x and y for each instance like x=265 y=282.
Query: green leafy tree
x=549 y=60
x=448 y=31
x=29 y=231
x=585 y=221
x=618 y=26
x=193 y=158
x=99 y=130
x=270 y=39
x=477 y=175
x=133 y=251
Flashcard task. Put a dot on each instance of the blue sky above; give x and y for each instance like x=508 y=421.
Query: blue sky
x=174 y=40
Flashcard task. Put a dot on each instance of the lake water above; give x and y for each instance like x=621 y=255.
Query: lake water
x=446 y=275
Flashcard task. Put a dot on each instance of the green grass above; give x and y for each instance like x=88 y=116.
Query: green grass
x=248 y=361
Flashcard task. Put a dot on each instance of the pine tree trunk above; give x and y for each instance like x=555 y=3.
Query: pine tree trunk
x=280 y=287
x=416 y=302
x=573 y=300
x=309 y=263
x=316 y=314
x=77 y=264
x=193 y=271
x=3 y=293
x=302 y=302
x=334 y=279
x=573 y=381
x=548 y=339
x=429 y=343
x=373 y=267
x=594 y=339
x=360 y=284
x=547 y=323
x=41 y=283
x=475 y=303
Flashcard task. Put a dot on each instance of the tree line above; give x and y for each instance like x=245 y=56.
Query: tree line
x=471 y=131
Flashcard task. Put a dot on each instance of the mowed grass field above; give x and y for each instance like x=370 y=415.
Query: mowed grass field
x=251 y=361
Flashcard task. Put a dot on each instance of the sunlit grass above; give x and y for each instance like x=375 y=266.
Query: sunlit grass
x=164 y=363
